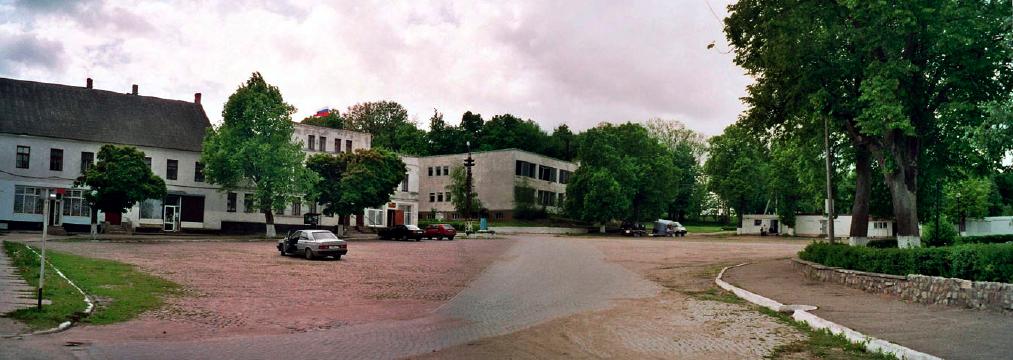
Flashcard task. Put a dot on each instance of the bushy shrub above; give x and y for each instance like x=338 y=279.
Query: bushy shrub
x=882 y=244
x=987 y=239
x=530 y=213
x=980 y=262
x=943 y=236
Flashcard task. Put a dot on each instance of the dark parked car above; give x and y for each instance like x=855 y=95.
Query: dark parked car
x=401 y=232
x=440 y=231
x=633 y=229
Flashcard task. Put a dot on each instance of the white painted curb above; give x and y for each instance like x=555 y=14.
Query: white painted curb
x=800 y=313
x=66 y=324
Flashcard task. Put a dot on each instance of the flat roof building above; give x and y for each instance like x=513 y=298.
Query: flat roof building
x=496 y=174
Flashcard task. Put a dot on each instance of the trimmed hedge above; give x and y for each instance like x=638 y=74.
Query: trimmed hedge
x=987 y=239
x=979 y=262
x=458 y=225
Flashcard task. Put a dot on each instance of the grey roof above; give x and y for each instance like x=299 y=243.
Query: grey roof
x=71 y=112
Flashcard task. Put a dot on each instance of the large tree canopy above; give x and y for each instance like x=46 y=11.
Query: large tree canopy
x=253 y=148
x=891 y=75
x=737 y=168
x=120 y=179
x=388 y=122
x=354 y=181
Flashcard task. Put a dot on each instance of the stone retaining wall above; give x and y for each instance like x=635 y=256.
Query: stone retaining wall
x=918 y=288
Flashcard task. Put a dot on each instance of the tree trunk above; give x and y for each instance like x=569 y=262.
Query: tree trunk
x=269 y=219
x=94 y=222
x=902 y=180
x=863 y=191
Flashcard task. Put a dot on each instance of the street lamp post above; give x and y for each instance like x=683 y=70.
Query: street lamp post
x=830 y=192
x=468 y=163
x=45 y=230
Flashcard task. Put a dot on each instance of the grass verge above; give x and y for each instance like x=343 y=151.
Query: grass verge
x=122 y=292
x=703 y=229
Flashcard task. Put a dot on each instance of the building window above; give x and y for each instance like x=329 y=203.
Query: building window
x=562 y=199
x=248 y=203
x=198 y=172
x=56 y=159
x=231 y=203
x=151 y=209
x=757 y=222
x=323 y=144
x=564 y=177
x=74 y=204
x=498 y=215
x=438 y=169
x=546 y=198
x=446 y=170
x=374 y=217
x=348 y=145
x=432 y=197
x=525 y=168
x=296 y=207
x=447 y=196
x=23 y=157
x=879 y=225
x=311 y=142
x=439 y=197
x=430 y=171
x=546 y=173
x=404 y=183
x=147 y=161
x=26 y=200
x=171 y=169
x=87 y=159
x=337 y=145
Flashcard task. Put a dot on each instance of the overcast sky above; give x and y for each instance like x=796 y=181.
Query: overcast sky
x=577 y=63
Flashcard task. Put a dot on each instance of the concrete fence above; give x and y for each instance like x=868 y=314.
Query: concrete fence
x=918 y=288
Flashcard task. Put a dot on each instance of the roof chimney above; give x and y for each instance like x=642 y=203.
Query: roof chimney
x=196 y=98
x=89 y=83
x=134 y=91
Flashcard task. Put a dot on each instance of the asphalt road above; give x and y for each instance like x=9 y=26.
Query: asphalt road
x=540 y=279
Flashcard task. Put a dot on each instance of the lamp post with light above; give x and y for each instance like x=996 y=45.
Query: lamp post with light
x=468 y=163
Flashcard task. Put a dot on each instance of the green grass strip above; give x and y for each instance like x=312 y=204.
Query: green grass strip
x=122 y=292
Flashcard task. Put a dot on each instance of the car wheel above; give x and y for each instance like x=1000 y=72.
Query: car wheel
x=418 y=239
x=309 y=254
x=337 y=257
x=450 y=238
x=282 y=251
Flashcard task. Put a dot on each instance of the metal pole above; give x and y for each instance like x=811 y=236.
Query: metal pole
x=830 y=192
x=467 y=205
x=45 y=230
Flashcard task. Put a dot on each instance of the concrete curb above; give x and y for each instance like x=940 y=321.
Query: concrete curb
x=66 y=324
x=801 y=313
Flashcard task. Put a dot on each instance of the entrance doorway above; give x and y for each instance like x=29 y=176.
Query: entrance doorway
x=171 y=216
x=773 y=227
x=55 y=213
x=114 y=218
x=391 y=217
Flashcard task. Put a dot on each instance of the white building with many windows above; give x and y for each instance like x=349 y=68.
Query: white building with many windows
x=49 y=133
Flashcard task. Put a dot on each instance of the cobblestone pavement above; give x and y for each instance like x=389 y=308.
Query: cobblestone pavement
x=945 y=331
x=15 y=293
x=546 y=297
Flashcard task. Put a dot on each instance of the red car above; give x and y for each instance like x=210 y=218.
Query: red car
x=440 y=231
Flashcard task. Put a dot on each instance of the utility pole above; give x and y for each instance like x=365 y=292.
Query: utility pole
x=830 y=191
x=45 y=231
x=468 y=163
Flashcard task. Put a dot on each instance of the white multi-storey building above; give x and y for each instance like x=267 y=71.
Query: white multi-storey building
x=49 y=133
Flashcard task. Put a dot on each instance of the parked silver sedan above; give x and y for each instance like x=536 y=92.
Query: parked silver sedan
x=312 y=244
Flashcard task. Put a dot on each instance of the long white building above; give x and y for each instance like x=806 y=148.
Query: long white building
x=49 y=133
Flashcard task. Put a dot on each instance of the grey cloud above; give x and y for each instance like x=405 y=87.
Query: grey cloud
x=30 y=51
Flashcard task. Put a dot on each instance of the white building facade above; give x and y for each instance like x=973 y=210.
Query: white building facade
x=811 y=226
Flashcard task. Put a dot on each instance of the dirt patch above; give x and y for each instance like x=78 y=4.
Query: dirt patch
x=686 y=321
x=246 y=288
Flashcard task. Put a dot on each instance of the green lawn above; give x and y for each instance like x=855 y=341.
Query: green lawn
x=703 y=228
x=122 y=291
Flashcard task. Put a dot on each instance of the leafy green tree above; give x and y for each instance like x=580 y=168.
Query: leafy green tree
x=458 y=189
x=120 y=179
x=562 y=143
x=686 y=147
x=332 y=120
x=388 y=122
x=444 y=138
x=354 y=181
x=968 y=198
x=639 y=163
x=253 y=147
x=471 y=126
x=736 y=169
x=891 y=75
x=595 y=196
x=508 y=131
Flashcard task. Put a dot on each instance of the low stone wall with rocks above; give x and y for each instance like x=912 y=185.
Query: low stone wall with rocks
x=918 y=288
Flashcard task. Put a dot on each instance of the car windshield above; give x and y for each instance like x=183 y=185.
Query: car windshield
x=677 y=224
x=324 y=235
x=412 y=227
x=448 y=227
